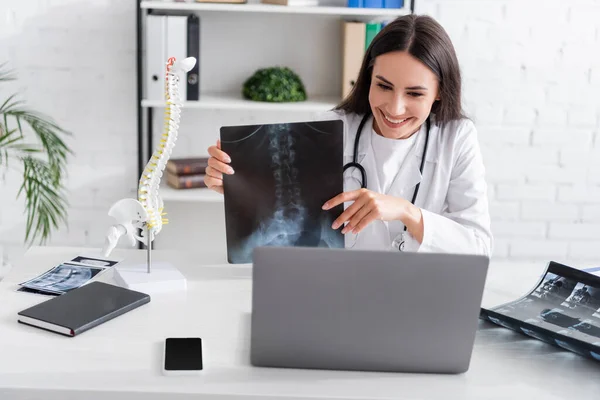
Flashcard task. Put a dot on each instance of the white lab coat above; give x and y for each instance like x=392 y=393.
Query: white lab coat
x=452 y=194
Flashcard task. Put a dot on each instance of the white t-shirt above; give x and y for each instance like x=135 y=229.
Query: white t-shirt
x=389 y=156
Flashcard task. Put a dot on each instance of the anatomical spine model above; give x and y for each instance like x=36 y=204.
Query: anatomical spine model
x=146 y=213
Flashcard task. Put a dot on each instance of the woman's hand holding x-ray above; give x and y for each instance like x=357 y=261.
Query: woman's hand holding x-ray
x=369 y=206
x=217 y=166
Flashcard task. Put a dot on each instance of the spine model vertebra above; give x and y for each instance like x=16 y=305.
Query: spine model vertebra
x=146 y=213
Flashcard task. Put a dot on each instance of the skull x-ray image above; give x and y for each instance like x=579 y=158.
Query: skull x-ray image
x=283 y=174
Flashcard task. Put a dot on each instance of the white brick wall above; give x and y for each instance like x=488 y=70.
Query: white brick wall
x=591 y=214
x=531 y=71
x=530 y=78
x=75 y=61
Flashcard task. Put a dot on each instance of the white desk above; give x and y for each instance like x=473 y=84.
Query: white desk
x=121 y=358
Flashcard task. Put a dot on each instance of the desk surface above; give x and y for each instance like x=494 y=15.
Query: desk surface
x=121 y=358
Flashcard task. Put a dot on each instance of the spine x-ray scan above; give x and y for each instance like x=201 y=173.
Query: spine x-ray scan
x=283 y=174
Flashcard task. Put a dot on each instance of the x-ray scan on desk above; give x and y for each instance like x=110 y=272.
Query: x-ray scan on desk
x=283 y=174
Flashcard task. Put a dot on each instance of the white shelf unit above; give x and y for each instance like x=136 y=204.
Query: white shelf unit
x=198 y=195
x=278 y=9
x=236 y=40
x=224 y=100
x=227 y=101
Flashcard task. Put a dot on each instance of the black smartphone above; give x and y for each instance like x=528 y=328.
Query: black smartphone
x=182 y=356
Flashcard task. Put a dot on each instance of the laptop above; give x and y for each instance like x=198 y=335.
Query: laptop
x=319 y=308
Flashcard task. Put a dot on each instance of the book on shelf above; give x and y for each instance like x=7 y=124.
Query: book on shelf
x=187 y=166
x=186 y=173
x=185 y=181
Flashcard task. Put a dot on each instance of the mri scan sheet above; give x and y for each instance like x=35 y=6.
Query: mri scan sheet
x=563 y=309
x=67 y=276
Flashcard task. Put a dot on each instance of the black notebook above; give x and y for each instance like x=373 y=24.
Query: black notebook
x=82 y=309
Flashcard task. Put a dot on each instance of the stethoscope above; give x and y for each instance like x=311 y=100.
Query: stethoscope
x=354 y=163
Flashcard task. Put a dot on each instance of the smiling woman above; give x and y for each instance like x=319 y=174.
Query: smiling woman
x=414 y=178
x=400 y=108
x=413 y=60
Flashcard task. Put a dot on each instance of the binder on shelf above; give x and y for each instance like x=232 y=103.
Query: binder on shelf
x=373 y=3
x=172 y=36
x=177 y=26
x=355 y=3
x=353 y=50
x=393 y=3
x=156 y=31
x=372 y=29
x=193 y=50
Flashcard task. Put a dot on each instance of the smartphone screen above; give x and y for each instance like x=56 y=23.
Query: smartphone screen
x=183 y=354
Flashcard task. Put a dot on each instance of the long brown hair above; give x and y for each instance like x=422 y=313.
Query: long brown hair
x=425 y=39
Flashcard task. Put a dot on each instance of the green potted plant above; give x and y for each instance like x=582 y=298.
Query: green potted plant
x=32 y=144
x=274 y=84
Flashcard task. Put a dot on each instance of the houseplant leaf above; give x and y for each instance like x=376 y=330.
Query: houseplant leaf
x=42 y=163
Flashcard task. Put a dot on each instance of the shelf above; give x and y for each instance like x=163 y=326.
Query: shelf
x=236 y=102
x=201 y=195
x=272 y=8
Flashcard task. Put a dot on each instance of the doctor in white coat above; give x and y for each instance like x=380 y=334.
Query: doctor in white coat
x=414 y=179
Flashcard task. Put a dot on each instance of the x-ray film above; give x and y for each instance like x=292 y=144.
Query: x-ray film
x=284 y=173
x=563 y=309
x=62 y=278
